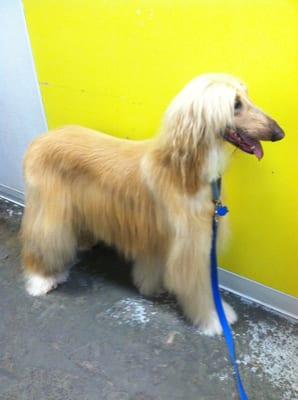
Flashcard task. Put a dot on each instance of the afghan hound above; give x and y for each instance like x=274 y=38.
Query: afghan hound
x=149 y=199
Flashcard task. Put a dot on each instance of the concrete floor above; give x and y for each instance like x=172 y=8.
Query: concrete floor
x=96 y=338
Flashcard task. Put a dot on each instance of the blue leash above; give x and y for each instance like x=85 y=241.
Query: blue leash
x=221 y=211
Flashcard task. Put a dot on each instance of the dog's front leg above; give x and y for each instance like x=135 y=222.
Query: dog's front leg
x=188 y=276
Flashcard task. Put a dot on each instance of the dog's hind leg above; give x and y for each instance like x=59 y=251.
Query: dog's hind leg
x=188 y=277
x=48 y=244
x=148 y=276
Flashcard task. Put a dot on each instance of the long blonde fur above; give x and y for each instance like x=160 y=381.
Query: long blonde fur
x=150 y=199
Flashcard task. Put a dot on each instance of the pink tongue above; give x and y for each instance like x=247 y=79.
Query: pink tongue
x=258 y=151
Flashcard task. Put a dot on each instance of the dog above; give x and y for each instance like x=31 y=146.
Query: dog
x=150 y=199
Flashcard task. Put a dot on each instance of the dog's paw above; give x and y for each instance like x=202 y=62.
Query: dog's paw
x=230 y=313
x=151 y=292
x=212 y=326
x=38 y=285
x=149 y=289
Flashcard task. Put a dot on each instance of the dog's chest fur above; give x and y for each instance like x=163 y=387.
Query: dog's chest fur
x=215 y=164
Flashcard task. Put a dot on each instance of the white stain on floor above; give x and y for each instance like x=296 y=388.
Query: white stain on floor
x=12 y=209
x=272 y=348
x=273 y=351
x=132 y=311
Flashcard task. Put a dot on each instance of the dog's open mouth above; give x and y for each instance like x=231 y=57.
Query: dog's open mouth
x=244 y=142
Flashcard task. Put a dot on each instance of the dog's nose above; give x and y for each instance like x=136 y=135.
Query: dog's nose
x=277 y=133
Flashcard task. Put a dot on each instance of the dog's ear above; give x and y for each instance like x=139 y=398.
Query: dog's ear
x=184 y=129
x=198 y=115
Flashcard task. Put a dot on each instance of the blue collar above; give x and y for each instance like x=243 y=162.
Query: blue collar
x=216 y=190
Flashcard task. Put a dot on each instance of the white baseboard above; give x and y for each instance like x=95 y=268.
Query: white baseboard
x=244 y=287
x=258 y=293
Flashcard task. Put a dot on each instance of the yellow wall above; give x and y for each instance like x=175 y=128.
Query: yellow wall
x=114 y=65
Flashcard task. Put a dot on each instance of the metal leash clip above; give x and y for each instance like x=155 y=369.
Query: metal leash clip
x=220 y=210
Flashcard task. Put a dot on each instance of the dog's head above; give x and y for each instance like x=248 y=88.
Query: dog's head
x=250 y=126
x=215 y=108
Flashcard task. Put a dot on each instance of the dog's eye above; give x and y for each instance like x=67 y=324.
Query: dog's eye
x=237 y=105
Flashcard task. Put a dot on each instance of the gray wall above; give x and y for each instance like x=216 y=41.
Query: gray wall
x=21 y=110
